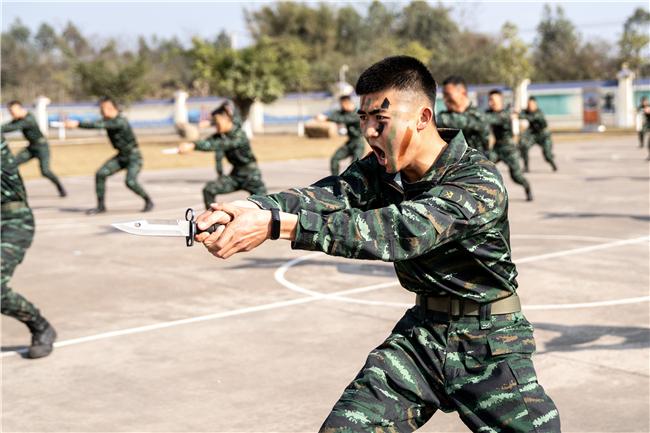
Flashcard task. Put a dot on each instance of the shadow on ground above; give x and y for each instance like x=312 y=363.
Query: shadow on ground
x=552 y=215
x=584 y=337
x=343 y=268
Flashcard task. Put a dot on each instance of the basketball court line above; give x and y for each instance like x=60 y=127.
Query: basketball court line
x=312 y=296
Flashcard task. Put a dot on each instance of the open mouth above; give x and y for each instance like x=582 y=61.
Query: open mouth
x=380 y=154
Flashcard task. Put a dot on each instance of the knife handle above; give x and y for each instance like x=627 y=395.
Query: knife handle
x=210 y=229
x=194 y=230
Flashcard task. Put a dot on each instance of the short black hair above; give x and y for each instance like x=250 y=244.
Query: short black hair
x=104 y=99
x=14 y=102
x=495 y=92
x=532 y=98
x=456 y=80
x=225 y=107
x=399 y=72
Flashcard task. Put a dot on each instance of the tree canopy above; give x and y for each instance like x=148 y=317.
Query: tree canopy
x=301 y=47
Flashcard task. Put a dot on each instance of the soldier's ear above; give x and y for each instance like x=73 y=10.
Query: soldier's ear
x=425 y=118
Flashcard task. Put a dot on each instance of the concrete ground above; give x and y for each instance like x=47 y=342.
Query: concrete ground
x=154 y=336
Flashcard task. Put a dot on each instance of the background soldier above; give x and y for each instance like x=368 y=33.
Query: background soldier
x=128 y=155
x=438 y=210
x=504 y=147
x=37 y=146
x=461 y=114
x=230 y=141
x=537 y=133
x=644 y=111
x=17 y=233
x=354 y=146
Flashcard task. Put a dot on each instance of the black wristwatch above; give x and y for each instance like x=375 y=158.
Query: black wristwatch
x=275 y=223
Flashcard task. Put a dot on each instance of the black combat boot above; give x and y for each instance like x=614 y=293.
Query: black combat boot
x=43 y=337
x=529 y=194
x=148 y=205
x=62 y=192
x=99 y=209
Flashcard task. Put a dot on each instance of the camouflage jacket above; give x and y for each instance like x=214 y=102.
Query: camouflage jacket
x=119 y=133
x=447 y=233
x=29 y=127
x=501 y=125
x=13 y=188
x=234 y=145
x=351 y=121
x=646 y=119
x=473 y=124
x=536 y=120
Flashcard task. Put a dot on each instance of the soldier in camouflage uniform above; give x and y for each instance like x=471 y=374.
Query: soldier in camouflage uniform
x=504 y=146
x=230 y=141
x=461 y=114
x=437 y=209
x=17 y=233
x=347 y=116
x=128 y=155
x=644 y=111
x=537 y=133
x=37 y=146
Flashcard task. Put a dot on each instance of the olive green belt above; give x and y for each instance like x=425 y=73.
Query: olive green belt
x=13 y=205
x=463 y=307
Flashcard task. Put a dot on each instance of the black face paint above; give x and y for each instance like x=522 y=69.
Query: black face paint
x=386 y=104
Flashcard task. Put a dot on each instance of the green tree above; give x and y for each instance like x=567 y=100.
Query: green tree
x=46 y=38
x=634 y=42
x=511 y=60
x=261 y=72
x=124 y=83
x=556 y=47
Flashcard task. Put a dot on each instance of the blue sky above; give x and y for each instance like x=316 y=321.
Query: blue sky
x=126 y=20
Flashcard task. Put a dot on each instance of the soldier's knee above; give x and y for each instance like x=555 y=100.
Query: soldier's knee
x=131 y=183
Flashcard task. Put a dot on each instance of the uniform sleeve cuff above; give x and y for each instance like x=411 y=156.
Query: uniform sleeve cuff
x=264 y=202
x=309 y=231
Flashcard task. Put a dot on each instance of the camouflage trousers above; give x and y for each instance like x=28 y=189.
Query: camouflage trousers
x=430 y=363
x=17 y=235
x=42 y=153
x=248 y=179
x=351 y=148
x=529 y=139
x=132 y=163
x=508 y=154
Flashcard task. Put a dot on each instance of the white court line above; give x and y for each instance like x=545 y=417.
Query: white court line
x=282 y=270
x=340 y=296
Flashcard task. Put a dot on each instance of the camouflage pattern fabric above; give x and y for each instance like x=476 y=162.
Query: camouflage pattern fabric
x=473 y=124
x=119 y=133
x=504 y=145
x=350 y=149
x=429 y=363
x=354 y=146
x=245 y=173
x=42 y=153
x=38 y=146
x=537 y=133
x=128 y=156
x=645 y=128
x=132 y=163
x=243 y=179
x=17 y=232
x=447 y=233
